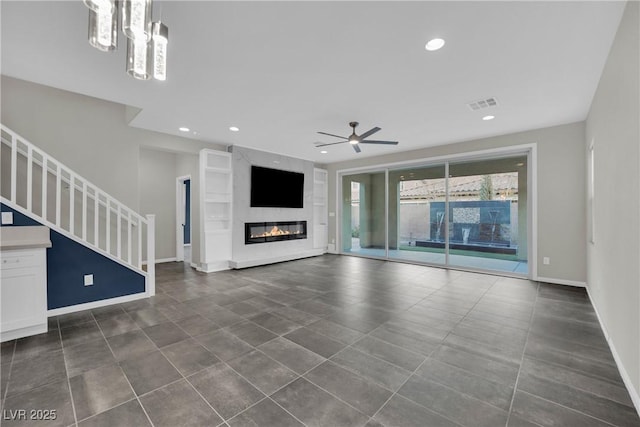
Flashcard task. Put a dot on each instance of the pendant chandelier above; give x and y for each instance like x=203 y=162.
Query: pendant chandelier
x=146 y=41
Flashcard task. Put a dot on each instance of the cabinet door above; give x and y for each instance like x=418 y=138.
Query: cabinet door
x=22 y=298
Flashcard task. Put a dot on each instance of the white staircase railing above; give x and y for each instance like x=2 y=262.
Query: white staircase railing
x=44 y=188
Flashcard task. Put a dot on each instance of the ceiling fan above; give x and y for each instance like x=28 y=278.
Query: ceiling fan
x=356 y=140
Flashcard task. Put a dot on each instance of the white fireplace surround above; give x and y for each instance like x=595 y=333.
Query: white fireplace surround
x=249 y=255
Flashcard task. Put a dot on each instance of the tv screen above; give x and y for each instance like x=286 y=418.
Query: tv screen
x=275 y=188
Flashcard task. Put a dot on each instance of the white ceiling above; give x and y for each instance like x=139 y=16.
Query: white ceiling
x=281 y=71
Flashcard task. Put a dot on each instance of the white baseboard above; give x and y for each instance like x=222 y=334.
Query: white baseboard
x=237 y=264
x=561 y=282
x=24 y=332
x=161 y=260
x=633 y=393
x=96 y=304
x=212 y=267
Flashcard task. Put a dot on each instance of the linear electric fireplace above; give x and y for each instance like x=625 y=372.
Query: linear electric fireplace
x=263 y=232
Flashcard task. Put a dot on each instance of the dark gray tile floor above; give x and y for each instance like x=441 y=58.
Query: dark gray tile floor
x=326 y=341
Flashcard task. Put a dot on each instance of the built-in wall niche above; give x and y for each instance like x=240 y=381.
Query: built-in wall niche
x=320 y=208
x=216 y=195
x=217 y=199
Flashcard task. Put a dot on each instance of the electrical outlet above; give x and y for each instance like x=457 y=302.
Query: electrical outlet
x=7 y=218
x=88 y=279
x=546 y=260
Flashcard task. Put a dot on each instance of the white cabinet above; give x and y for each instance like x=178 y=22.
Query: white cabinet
x=320 y=213
x=216 y=197
x=23 y=293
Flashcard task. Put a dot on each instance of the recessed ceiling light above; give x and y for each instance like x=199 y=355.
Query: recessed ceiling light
x=485 y=118
x=434 y=44
x=276 y=162
x=234 y=129
x=324 y=152
x=183 y=129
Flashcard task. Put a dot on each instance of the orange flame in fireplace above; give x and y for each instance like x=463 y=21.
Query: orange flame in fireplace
x=275 y=231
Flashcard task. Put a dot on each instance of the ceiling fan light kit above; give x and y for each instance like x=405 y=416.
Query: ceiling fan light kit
x=146 y=41
x=355 y=140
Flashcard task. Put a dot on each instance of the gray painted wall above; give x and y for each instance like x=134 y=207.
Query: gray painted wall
x=92 y=137
x=560 y=184
x=157 y=180
x=614 y=257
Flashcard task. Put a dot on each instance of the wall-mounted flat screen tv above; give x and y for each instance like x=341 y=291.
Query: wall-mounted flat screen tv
x=275 y=188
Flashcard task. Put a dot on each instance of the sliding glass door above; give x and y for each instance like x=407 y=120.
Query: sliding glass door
x=417 y=229
x=488 y=214
x=363 y=214
x=464 y=214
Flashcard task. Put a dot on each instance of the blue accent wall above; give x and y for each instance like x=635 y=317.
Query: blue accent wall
x=68 y=262
x=187 y=211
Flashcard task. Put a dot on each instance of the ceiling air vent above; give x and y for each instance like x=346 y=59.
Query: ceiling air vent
x=482 y=104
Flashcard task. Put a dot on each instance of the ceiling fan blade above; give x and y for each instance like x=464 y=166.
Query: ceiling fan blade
x=320 y=144
x=330 y=134
x=369 y=133
x=379 y=142
x=356 y=148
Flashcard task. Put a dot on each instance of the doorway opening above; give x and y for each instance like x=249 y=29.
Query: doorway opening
x=183 y=219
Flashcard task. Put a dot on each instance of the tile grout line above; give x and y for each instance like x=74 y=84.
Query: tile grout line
x=208 y=367
x=583 y=373
x=569 y=368
x=385 y=361
x=569 y=409
x=395 y=393
x=123 y=373
x=276 y=390
x=524 y=349
x=300 y=376
x=415 y=370
x=423 y=362
x=210 y=285
x=179 y=372
x=13 y=355
x=64 y=358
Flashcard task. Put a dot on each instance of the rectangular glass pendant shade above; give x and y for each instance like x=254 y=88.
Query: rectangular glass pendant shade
x=103 y=28
x=139 y=59
x=146 y=41
x=160 y=39
x=99 y=4
x=136 y=19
